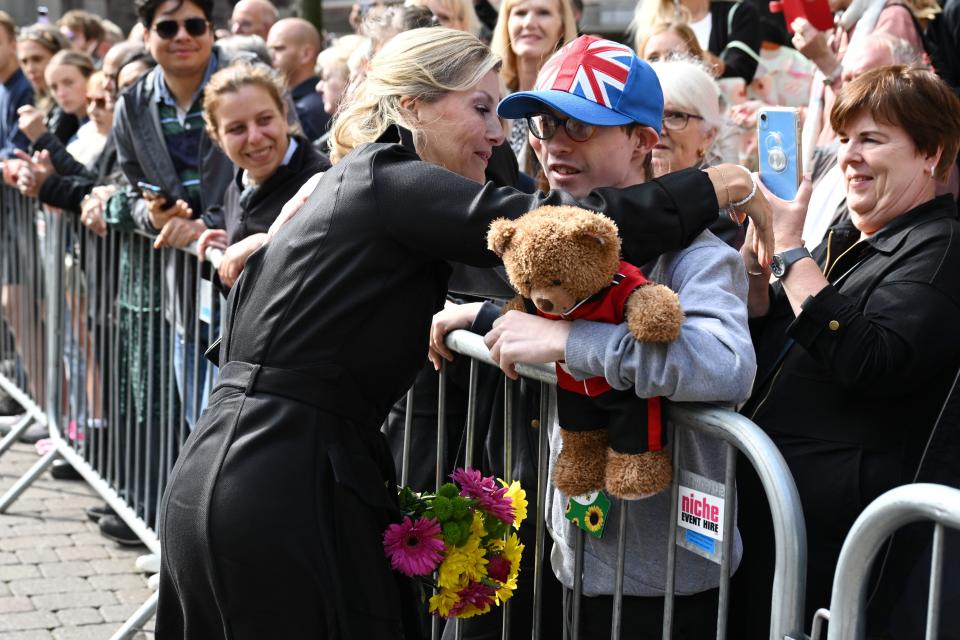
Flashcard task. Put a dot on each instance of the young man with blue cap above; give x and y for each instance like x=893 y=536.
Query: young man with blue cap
x=594 y=115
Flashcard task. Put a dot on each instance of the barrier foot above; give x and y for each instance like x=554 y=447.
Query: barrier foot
x=139 y=618
x=22 y=425
x=27 y=479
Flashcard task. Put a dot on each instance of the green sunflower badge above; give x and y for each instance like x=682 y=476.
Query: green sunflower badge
x=589 y=512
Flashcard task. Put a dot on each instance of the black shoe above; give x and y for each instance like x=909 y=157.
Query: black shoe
x=99 y=511
x=113 y=528
x=63 y=470
x=9 y=406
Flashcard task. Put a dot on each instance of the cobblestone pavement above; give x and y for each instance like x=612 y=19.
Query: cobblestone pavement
x=59 y=578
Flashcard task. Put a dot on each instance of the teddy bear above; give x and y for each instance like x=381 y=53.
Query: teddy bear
x=564 y=262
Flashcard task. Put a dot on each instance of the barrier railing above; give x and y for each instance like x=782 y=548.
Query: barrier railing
x=22 y=309
x=880 y=520
x=735 y=431
x=123 y=379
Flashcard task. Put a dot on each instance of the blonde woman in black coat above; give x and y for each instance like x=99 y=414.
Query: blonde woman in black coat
x=273 y=520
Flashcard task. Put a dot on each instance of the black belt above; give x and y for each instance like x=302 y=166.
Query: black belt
x=320 y=387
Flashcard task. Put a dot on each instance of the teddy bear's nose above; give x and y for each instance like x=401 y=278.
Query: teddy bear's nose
x=544 y=304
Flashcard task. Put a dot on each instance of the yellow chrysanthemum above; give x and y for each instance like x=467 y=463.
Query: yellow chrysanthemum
x=443 y=600
x=463 y=564
x=513 y=551
x=519 y=499
x=476 y=526
x=469 y=611
x=506 y=591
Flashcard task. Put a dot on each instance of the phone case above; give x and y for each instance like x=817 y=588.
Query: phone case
x=817 y=12
x=778 y=143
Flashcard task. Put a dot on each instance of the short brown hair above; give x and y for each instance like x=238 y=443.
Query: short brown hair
x=8 y=25
x=231 y=80
x=911 y=98
x=78 y=20
x=46 y=35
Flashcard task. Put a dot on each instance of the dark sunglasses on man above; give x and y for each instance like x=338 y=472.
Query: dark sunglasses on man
x=168 y=29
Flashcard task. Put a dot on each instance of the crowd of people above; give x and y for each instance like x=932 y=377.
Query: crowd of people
x=348 y=182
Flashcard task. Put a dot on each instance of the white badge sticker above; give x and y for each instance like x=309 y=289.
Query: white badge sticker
x=700 y=505
x=206 y=301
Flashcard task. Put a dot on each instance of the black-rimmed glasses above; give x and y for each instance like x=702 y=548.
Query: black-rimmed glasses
x=677 y=120
x=545 y=125
x=168 y=29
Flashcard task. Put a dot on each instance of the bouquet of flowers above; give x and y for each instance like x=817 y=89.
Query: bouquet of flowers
x=465 y=533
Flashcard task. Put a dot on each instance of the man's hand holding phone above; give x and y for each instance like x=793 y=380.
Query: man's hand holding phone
x=159 y=207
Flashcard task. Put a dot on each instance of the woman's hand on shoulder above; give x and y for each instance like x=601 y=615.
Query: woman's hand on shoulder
x=294 y=204
x=453 y=316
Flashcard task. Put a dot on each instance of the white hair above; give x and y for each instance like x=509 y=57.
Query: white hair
x=688 y=85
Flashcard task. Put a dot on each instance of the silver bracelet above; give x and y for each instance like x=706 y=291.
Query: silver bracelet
x=753 y=191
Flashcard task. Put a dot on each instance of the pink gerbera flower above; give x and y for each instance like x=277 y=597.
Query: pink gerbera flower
x=491 y=498
x=414 y=548
x=477 y=594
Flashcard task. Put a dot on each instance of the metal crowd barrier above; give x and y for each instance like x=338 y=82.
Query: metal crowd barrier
x=22 y=309
x=112 y=402
x=880 y=520
x=737 y=432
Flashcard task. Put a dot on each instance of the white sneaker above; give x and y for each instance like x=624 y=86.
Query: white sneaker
x=149 y=563
x=154 y=582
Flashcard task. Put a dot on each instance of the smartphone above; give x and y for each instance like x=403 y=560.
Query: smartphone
x=778 y=143
x=152 y=191
x=817 y=12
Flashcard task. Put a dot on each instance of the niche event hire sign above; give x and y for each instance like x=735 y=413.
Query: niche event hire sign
x=700 y=515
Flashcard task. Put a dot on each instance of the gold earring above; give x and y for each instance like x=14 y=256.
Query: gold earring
x=700 y=154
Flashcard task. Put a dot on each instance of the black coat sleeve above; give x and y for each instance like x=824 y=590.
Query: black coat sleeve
x=730 y=37
x=441 y=214
x=65 y=192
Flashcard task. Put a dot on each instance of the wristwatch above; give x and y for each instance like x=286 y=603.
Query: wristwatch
x=782 y=261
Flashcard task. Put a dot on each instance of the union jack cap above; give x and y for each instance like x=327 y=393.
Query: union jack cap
x=595 y=81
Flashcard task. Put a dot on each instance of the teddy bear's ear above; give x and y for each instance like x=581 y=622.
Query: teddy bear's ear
x=598 y=228
x=500 y=234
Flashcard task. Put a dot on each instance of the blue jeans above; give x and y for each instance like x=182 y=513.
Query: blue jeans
x=193 y=400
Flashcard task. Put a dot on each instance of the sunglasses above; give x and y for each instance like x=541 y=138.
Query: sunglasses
x=168 y=29
x=99 y=103
x=545 y=125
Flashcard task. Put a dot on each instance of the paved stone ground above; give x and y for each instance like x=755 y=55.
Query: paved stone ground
x=59 y=578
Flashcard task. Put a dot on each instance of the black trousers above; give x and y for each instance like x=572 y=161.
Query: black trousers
x=694 y=616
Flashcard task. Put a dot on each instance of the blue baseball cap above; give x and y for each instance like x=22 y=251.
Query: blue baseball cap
x=595 y=81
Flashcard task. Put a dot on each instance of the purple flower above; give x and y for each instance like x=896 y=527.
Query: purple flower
x=414 y=548
x=489 y=496
x=498 y=568
x=477 y=594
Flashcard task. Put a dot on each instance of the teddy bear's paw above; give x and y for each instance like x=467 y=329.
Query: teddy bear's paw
x=582 y=462
x=638 y=475
x=653 y=314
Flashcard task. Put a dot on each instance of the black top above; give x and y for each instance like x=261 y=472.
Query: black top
x=873 y=348
x=252 y=210
x=356 y=277
x=735 y=26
